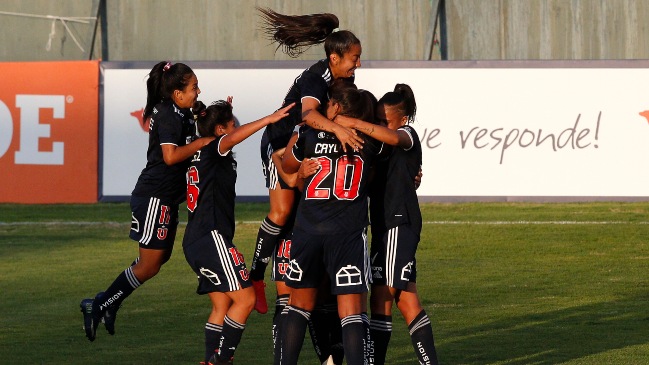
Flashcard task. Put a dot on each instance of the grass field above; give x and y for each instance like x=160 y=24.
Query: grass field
x=502 y=283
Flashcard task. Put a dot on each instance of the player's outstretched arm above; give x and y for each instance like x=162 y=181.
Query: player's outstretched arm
x=248 y=129
x=173 y=154
x=378 y=132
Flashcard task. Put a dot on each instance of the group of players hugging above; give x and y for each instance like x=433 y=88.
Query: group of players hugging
x=326 y=152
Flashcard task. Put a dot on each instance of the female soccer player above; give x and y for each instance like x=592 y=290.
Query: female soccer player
x=329 y=235
x=207 y=244
x=396 y=227
x=171 y=92
x=295 y=34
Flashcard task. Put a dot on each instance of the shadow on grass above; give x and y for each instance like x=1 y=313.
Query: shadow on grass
x=551 y=337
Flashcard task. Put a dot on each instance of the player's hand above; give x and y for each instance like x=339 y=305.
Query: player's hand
x=418 y=179
x=229 y=100
x=280 y=113
x=348 y=137
x=308 y=167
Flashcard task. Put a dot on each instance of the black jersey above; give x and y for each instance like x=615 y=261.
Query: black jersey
x=393 y=197
x=169 y=125
x=334 y=199
x=211 y=180
x=313 y=82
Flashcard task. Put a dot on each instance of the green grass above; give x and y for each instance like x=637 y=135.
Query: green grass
x=503 y=283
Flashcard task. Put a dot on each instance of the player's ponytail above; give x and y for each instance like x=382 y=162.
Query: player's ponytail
x=404 y=99
x=296 y=33
x=163 y=79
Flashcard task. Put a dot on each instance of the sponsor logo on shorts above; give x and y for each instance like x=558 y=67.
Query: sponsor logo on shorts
x=406 y=271
x=210 y=275
x=348 y=276
x=294 y=271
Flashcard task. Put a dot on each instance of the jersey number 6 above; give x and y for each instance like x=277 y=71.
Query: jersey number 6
x=192 y=189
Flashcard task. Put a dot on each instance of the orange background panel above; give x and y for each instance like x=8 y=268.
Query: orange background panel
x=77 y=84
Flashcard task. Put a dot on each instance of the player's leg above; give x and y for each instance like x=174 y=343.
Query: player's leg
x=301 y=304
x=281 y=205
x=346 y=260
x=214 y=326
x=381 y=323
x=281 y=303
x=324 y=320
x=353 y=331
x=280 y=264
x=234 y=322
x=421 y=331
x=153 y=226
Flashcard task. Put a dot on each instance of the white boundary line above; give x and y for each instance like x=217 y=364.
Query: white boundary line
x=438 y=223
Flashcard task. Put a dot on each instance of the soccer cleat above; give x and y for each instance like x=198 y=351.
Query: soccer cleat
x=260 y=305
x=109 y=319
x=89 y=321
x=214 y=360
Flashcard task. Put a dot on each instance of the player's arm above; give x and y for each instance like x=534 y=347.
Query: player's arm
x=173 y=154
x=312 y=117
x=241 y=133
x=307 y=168
x=383 y=134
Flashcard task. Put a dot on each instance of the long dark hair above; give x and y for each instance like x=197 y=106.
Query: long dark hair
x=404 y=99
x=354 y=103
x=163 y=79
x=296 y=33
x=207 y=118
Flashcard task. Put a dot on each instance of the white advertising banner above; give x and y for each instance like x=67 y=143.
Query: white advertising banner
x=488 y=131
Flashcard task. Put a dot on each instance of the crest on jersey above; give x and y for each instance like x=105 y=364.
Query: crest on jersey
x=321 y=135
x=348 y=276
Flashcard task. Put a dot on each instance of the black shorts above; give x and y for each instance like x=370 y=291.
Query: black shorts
x=393 y=257
x=270 y=170
x=342 y=257
x=218 y=264
x=281 y=259
x=153 y=222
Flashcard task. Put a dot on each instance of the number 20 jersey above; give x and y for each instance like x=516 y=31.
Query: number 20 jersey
x=334 y=199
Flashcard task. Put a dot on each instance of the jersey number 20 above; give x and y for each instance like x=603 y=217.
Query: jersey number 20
x=348 y=172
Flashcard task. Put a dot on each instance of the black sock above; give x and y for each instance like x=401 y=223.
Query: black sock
x=120 y=289
x=294 y=328
x=319 y=333
x=230 y=338
x=353 y=339
x=335 y=333
x=266 y=241
x=369 y=344
x=421 y=335
x=278 y=318
x=381 y=328
x=212 y=338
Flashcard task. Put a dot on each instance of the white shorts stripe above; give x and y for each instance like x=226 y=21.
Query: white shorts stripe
x=228 y=268
x=391 y=255
x=272 y=170
x=149 y=224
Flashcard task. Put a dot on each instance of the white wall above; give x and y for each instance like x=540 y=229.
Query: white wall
x=480 y=125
